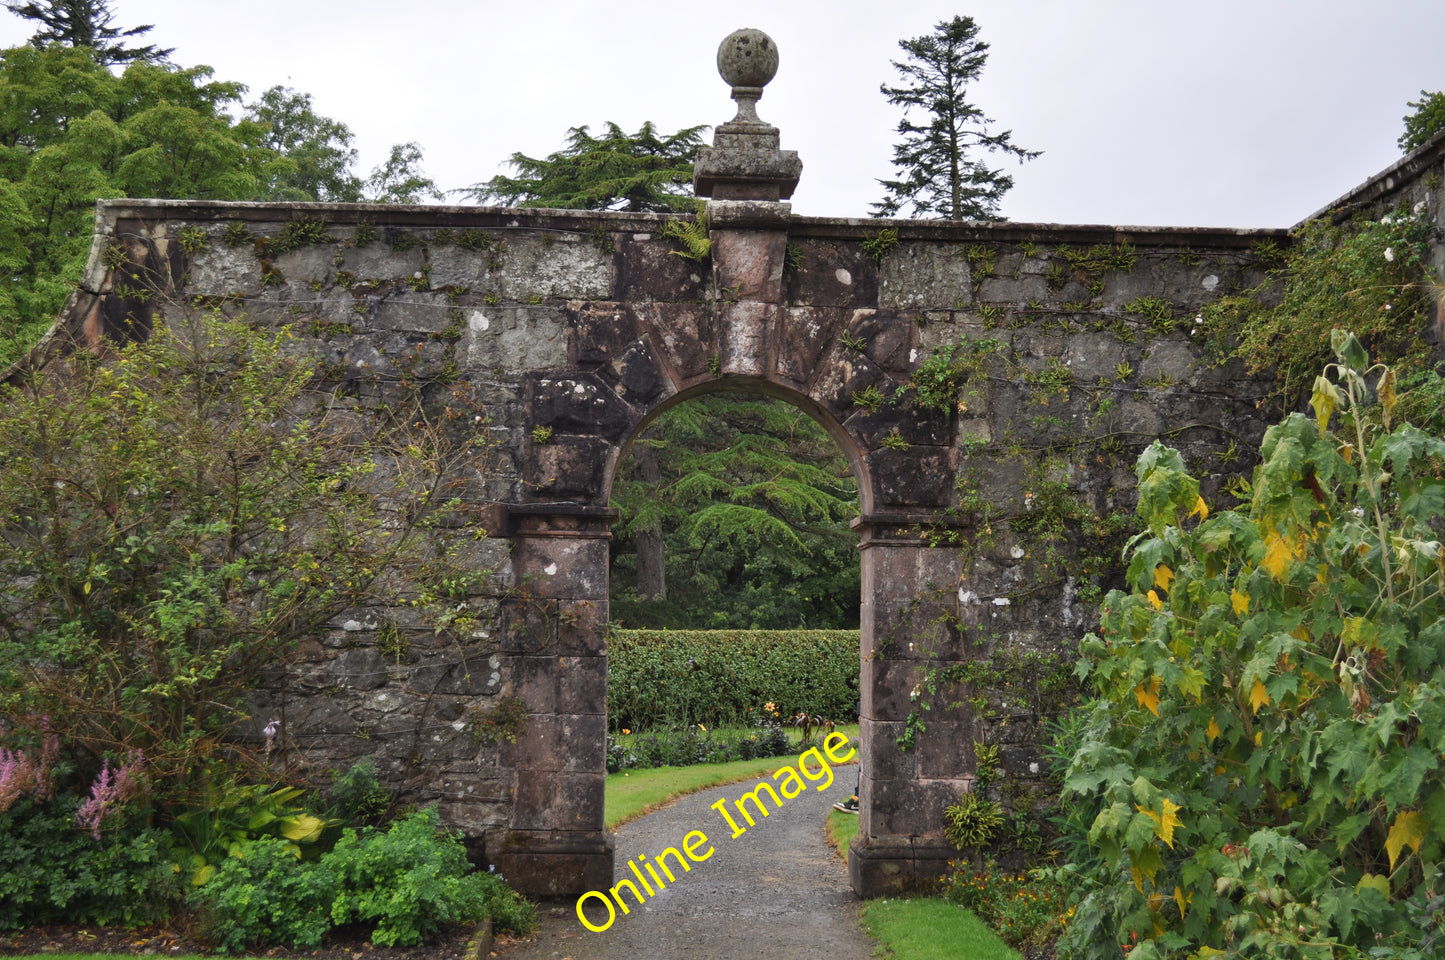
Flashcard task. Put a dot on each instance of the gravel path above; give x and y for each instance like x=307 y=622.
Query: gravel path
x=776 y=891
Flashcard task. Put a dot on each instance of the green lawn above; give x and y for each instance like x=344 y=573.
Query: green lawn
x=932 y=929
x=632 y=793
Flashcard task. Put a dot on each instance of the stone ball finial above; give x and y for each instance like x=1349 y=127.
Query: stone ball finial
x=747 y=58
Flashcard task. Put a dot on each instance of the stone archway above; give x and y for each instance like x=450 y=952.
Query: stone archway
x=576 y=327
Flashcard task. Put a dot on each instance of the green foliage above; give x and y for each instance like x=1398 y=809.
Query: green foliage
x=870 y=398
x=314 y=153
x=1261 y=773
x=74 y=131
x=52 y=871
x=749 y=507
x=306 y=232
x=941 y=173
x=683 y=677
x=506 y=720
x=262 y=895
x=357 y=796
x=1026 y=909
x=1371 y=277
x=176 y=518
x=879 y=246
x=972 y=822
x=694 y=744
x=404 y=882
x=222 y=817
x=85 y=23
x=691 y=236
x=399 y=179
x=1156 y=310
x=639 y=172
x=1427 y=120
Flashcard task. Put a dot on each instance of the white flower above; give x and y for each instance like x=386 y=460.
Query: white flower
x=1420 y=207
x=1387 y=219
x=1390 y=254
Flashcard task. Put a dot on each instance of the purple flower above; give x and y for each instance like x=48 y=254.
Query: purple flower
x=109 y=791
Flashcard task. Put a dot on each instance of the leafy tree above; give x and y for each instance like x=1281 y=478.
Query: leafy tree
x=72 y=131
x=85 y=23
x=1260 y=775
x=315 y=152
x=940 y=172
x=176 y=519
x=1427 y=120
x=751 y=502
x=639 y=172
x=400 y=180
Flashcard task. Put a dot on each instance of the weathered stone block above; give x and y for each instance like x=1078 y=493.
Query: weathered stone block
x=515 y=338
x=831 y=275
x=748 y=264
x=569 y=467
x=554 y=800
x=530 y=267
x=744 y=330
x=551 y=743
x=923 y=276
x=650 y=269
x=687 y=334
x=916 y=477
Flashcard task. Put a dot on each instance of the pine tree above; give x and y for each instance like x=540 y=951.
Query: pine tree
x=938 y=177
x=85 y=23
x=640 y=172
x=751 y=500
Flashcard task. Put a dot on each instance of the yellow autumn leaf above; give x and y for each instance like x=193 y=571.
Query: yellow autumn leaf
x=1154 y=599
x=1211 y=732
x=1165 y=820
x=1163 y=576
x=1240 y=601
x=1201 y=509
x=1279 y=555
x=1258 y=696
x=1407 y=831
x=1149 y=697
x=1182 y=900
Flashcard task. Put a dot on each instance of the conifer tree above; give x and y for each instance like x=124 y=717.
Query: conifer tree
x=940 y=172
x=640 y=172
x=85 y=23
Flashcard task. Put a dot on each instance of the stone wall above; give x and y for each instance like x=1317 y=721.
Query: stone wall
x=574 y=330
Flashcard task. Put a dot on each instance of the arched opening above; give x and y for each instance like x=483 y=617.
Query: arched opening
x=736 y=511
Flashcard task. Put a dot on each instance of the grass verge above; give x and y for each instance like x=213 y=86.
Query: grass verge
x=841 y=829
x=633 y=793
x=932 y=929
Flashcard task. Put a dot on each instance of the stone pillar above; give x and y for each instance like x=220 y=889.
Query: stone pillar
x=554 y=638
x=747 y=176
x=909 y=614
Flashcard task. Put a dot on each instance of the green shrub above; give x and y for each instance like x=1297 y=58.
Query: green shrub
x=1026 y=909
x=972 y=822
x=407 y=881
x=692 y=745
x=413 y=878
x=264 y=895
x=659 y=678
x=1261 y=771
x=52 y=870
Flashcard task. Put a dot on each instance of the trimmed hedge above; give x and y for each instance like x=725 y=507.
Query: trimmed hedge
x=679 y=677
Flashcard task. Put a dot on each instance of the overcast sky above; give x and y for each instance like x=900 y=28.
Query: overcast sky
x=1236 y=113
